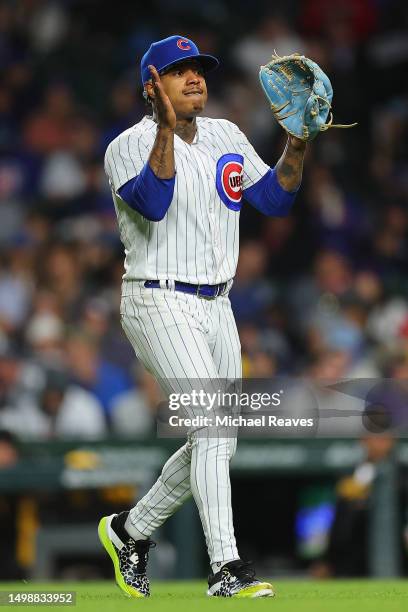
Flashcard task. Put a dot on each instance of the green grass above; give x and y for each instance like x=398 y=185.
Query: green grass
x=292 y=596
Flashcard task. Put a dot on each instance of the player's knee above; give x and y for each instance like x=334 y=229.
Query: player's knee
x=222 y=448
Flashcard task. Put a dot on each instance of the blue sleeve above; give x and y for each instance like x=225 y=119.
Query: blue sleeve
x=267 y=196
x=149 y=195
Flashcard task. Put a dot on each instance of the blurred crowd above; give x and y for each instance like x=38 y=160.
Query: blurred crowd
x=321 y=293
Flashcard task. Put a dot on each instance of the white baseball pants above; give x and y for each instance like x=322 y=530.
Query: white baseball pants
x=180 y=336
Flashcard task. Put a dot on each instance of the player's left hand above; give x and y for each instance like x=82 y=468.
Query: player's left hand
x=300 y=94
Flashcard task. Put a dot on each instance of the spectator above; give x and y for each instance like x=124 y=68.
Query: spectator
x=49 y=128
x=251 y=294
x=9 y=454
x=62 y=410
x=330 y=279
x=348 y=552
x=133 y=411
x=99 y=376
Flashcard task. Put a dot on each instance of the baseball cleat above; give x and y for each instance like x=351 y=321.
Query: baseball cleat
x=237 y=579
x=129 y=557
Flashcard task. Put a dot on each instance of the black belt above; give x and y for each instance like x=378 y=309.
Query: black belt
x=206 y=292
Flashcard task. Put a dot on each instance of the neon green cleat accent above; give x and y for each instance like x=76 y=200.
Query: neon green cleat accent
x=105 y=535
x=237 y=579
x=261 y=589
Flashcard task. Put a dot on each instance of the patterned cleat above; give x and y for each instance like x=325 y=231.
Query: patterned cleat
x=128 y=556
x=237 y=579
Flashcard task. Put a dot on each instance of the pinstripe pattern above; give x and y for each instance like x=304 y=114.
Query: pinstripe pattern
x=179 y=337
x=197 y=241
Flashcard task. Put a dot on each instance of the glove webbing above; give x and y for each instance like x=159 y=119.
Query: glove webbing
x=323 y=128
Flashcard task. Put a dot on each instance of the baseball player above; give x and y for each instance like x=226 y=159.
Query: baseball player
x=178 y=182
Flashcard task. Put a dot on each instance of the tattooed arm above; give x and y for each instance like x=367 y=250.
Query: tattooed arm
x=275 y=193
x=161 y=159
x=290 y=166
x=151 y=192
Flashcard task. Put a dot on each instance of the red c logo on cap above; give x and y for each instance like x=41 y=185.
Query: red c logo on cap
x=183 y=44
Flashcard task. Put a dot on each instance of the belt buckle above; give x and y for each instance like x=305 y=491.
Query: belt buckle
x=207 y=297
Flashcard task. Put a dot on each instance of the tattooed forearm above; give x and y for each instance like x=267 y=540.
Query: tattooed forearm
x=161 y=159
x=290 y=166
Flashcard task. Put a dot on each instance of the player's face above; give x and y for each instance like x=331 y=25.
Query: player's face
x=185 y=85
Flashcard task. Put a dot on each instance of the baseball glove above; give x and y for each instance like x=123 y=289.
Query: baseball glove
x=300 y=94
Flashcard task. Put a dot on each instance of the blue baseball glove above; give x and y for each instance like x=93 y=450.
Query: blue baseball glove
x=300 y=94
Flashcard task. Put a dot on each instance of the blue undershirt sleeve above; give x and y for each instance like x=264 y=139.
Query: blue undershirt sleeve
x=147 y=194
x=267 y=196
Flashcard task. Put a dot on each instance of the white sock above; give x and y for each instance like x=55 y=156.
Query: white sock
x=132 y=531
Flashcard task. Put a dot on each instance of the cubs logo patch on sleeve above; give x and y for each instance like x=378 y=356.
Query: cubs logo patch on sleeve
x=229 y=179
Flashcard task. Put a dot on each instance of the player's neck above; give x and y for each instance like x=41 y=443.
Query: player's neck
x=186 y=129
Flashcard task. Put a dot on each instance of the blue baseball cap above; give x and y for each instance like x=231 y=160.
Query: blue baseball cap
x=164 y=53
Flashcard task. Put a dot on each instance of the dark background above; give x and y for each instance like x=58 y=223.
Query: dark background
x=322 y=293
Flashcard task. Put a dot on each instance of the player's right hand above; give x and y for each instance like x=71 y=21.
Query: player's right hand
x=166 y=117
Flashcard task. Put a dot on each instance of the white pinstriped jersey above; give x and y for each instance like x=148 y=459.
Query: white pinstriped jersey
x=198 y=239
